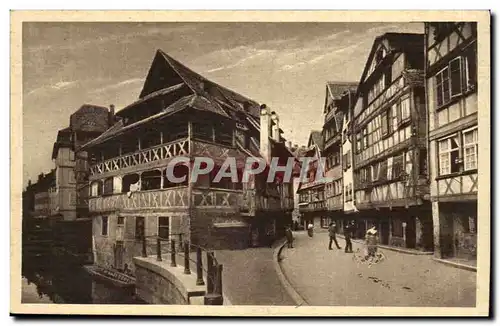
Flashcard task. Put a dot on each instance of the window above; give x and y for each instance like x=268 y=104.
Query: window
x=456 y=76
x=164 y=227
x=397 y=227
x=470 y=62
x=202 y=130
x=423 y=161
x=139 y=227
x=442 y=87
x=365 y=138
x=120 y=220
x=358 y=142
x=404 y=107
x=151 y=180
x=450 y=81
x=398 y=166
x=448 y=155
x=470 y=149
x=375 y=171
x=224 y=134
x=104 y=225
x=385 y=123
x=108 y=186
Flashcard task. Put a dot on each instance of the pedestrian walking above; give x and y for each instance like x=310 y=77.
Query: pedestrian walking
x=332 y=230
x=310 y=229
x=348 y=232
x=289 y=237
x=371 y=239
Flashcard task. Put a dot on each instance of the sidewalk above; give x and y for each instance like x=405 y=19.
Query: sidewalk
x=334 y=278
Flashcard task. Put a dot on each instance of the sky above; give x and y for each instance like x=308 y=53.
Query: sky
x=284 y=65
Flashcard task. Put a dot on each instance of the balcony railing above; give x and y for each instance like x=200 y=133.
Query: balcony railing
x=157 y=153
x=217 y=198
x=151 y=199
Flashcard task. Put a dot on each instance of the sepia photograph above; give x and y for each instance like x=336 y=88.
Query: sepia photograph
x=250 y=163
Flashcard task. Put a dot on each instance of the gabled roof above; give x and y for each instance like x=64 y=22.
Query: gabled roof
x=165 y=72
x=335 y=91
x=315 y=138
x=396 y=42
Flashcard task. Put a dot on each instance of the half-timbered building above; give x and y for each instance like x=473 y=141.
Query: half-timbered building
x=451 y=76
x=389 y=137
x=339 y=96
x=180 y=113
x=311 y=189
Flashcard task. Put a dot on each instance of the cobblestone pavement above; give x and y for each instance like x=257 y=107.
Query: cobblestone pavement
x=334 y=278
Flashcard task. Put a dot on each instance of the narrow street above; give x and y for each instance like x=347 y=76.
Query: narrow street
x=249 y=277
x=332 y=277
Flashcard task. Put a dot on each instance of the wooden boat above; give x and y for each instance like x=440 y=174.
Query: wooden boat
x=110 y=276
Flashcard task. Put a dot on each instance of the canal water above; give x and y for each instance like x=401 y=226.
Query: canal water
x=47 y=279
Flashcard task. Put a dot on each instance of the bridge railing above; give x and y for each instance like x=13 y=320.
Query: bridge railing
x=179 y=247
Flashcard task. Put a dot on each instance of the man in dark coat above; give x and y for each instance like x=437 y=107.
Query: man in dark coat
x=332 y=230
x=348 y=231
x=289 y=237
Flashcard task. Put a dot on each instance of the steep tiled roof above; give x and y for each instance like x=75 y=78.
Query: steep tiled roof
x=316 y=138
x=336 y=89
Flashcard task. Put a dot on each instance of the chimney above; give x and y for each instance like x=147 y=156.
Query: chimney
x=289 y=144
x=111 y=120
x=265 y=128
x=275 y=132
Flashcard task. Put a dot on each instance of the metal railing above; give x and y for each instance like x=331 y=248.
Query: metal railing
x=183 y=249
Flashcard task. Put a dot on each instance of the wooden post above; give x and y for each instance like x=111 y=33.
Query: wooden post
x=172 y=254
x=199 y=267
x=180 y=241
x=158 y=249
x=187 y=270
x=214 y=298
x=210 y=279
x=218 y=280
x=144 y=253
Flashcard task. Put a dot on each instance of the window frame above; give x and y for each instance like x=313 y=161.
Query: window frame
x=160 y=226
x=448 y=153
x=104 y=218
x=474 y=144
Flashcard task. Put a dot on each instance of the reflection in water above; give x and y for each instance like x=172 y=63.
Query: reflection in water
x=50 y=280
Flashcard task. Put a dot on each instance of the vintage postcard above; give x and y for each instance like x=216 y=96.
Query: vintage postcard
x=246 y=163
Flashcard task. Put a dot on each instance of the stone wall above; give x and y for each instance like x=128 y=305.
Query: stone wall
x=219 y=229
x=159 y=283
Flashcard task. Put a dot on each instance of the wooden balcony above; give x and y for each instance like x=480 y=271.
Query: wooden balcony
x=149 y=156
x=253 y=203
x=335 y=203
x=218 y=198
x=173 y=198
x=317 y=206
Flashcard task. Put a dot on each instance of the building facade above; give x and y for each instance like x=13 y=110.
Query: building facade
x=70 y=192
x=389 y=142
x=180 y=114
x=311 y=189
x=451 y=77
x=339 y=96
